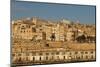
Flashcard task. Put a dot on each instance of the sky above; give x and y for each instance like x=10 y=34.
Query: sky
x=82 y=13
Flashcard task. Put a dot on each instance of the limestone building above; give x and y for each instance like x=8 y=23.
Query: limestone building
x=39 y=41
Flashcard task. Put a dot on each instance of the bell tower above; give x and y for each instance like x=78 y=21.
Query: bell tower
x=34 y=20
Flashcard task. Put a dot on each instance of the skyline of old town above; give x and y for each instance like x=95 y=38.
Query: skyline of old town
x=41 y=41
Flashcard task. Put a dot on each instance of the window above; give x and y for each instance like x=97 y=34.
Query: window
x=57 y=57
x=21 y=31
x=53 y=37
x=40 y=54
x=78 y=57
x=76 y=52
x=86 y=57
x=13 y=54
x=82 y=52
x=64 y=57
x=19 y=59
x=40 y=58
x=33 y=58
x=27 y=59
x=91 y=56
x=28 y=26
x=86 y=52
x=47 y=53
x=47 y=45
x=40 y=29
x=33 y=30
x=70 y=53
x=57 y=53
x=82 y=56
x=63 y=53
x=19 y=27
x=91 y=52
x=52 y=57
x=33 y=53
x=52 y=53
x=46 y=57
x=19 y=54
x=40 y=25
x=22 y=27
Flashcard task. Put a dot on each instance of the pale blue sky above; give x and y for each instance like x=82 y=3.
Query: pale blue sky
x=22 y=9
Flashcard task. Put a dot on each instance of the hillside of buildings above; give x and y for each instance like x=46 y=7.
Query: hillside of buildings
x=42 y=41
x=42 y=29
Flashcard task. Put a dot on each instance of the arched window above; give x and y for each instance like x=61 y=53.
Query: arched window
x=33 y=58
x=91 y=56
x=86 y=57
x=40 y=58
x=81 y=56
x=64 y=57
x=52 y=57
x=19 y=59
x=46 y=57
x=27 y=59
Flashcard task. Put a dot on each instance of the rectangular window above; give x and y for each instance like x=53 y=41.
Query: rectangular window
x=21 y=31
x=63 y=53
x=82 y=52
x=28 y=26
x=86 y=52
x=58 y=57
x=40 y=54
x=52 y=53
x=47 y=53
x=52 y=57
x=91 y=56
x=86 y=57
x=13 y=54
x=91 y=52
x=33 y=29
x=33 y=53
x=19 y=54
x=46 y=57
x=70 y=53
x=76 y=52
x=27 y=59
x=82 y=56
x=57 y=53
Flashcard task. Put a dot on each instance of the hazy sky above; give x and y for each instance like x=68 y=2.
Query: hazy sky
x=85 y=14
